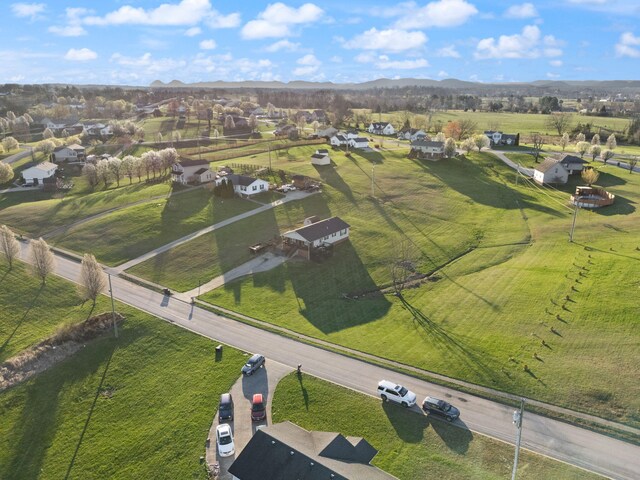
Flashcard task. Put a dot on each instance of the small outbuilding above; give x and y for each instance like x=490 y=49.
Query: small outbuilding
x=321 y=157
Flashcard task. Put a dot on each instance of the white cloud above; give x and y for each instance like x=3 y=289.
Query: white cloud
x=555 y=63
x=277 y=19
x=628 y=45
x=309 y=59
x=448 y=51
x=208 y=44
x=80 y=55
x=525 y=10
x=193 y=31
x=304 y=71
x=386 y=64
x=186 y=12
x=387 y=40
x=443 y=74
x=283 y=45
x=552 y=75
x=336 y=59
x=441 y=13
x=521 y=45
x=309 y=65
x=67 y=30
x=27 y=9
x=150 y=64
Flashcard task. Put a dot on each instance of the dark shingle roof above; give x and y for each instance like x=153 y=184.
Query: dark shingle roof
x=241 y=179
x=286 y=451
x=547 y=164
x=318 y=155
x=193 y=163
x=427 y=143
x=360 y=139
x=321 y=229
x=567 y=158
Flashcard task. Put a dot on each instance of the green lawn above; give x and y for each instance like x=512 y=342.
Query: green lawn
x=137 y=407
x=410 y=446
x=132 y=231
x=490 y=309
x=37 y=213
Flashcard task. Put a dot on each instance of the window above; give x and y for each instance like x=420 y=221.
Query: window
x=262 y=186
x=333 y=234
x=254 y=188
x=343 y=231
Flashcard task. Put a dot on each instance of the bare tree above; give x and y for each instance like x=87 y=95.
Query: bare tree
x=564 y=141
x=450 y=147
x=467 y=127
x=559 y=122
x=42 y=260
x=594 y=150
x=91 y=172
x=582 y=148
x=611 y=142
x=6 y=172
x=402 y=265
x=632 y=164
x=9 y=246
x=481 y=141
x=606 y=155
x=93 y=280
x=590 y=176
x=537 y=140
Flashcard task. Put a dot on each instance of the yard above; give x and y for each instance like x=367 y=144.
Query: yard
x=410 y=446
x=136 y=407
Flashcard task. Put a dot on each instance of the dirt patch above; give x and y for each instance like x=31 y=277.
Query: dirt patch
x=52 y=350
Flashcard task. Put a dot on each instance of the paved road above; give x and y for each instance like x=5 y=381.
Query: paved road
x=291 y=196
x=525 y=171
x=568 y=443
x=18 y=156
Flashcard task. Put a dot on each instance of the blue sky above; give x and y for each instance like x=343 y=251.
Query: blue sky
x=134 y=42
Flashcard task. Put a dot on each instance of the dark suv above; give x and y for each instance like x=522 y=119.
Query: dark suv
x=225 y=411
x=253 y=364
x=440 y=407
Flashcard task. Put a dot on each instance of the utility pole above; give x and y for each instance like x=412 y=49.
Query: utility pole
x=573 y=224
x=269 y=147
x=113 y=309
x=517 y=421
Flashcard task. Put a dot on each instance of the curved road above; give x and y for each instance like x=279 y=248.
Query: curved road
x=565 y=442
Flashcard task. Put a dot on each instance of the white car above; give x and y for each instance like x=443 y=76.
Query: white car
x=396 y=393
x=224 y=439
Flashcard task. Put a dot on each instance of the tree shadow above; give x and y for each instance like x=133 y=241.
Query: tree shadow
x=331 y=177
x=372 y=156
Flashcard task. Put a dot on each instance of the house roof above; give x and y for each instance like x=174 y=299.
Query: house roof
x=567 y=158
x=360 y=139
x=75 y=146
x=193 y=163
x=547 y=164
x=427 y=143
x=319 y=155
x=285 y=450
x=44 y=166
x=243 y=180
x=62 y=147
x=340 y=137
x=379 y=124
x=323 y=150
x=200 y=171
x=321 y=229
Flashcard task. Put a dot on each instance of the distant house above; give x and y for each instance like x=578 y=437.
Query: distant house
x=36 y=174
x=258 y=112
x=319 y=115
x=287 y=451
x=321 y=157
x=381 y=128
x=204 y=175
x=412 y=134
x=284 y=130
x=327 y=132
x=352 y=134
x=551 y=171
x=502 y=139
x=330 y=231
x=358 y=142
x=428 y=148
x=72 y=153
x=244 y=185
x=338 y=140
x=190 y=171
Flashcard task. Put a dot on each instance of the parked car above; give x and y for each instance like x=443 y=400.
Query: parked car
x=396 y=393
x=440 y=407
x=225 y=410
x=258 y=408
x=224 y=439
x=253 y=364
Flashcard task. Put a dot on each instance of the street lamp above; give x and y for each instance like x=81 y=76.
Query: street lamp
x=517 y=421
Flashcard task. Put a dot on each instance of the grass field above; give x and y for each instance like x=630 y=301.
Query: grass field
x=136 y=407
x=410 y=446
x=503 y=290
x=132 y=231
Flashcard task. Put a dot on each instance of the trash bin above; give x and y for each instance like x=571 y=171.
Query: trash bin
x=219 y=349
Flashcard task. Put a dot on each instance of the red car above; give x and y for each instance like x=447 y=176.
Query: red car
x=258 y=408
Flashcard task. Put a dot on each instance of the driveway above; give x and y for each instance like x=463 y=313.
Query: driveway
x=264 y=381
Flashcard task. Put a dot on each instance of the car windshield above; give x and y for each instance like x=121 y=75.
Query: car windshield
x=225 y=407
x=257 y=407
x=403 y=391
x=444 y=406
x=225 y=439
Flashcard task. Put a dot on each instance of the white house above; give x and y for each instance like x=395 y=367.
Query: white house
x=330 y=231
x=107 y=131
x=428 y=148
x=72 y=153
x=551 y=170
x=190 y=171
x=352 y=134
x=338 y=140
x=204 y=175
x=381 y=128
x=321 y=157
x=36 y=174
x=244 y=185
x=412 y=134
x=358 y=142
x=499 y=138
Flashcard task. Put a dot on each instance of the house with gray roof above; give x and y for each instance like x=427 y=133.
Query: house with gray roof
x=287 y=451
x=428 y=148
x=323 y=233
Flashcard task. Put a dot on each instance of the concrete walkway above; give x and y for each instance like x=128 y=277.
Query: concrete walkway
x=263 y=381
x=19 y=189
x=500 y=154
x=291 y=196
x=261 y=263
x=18 y=156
